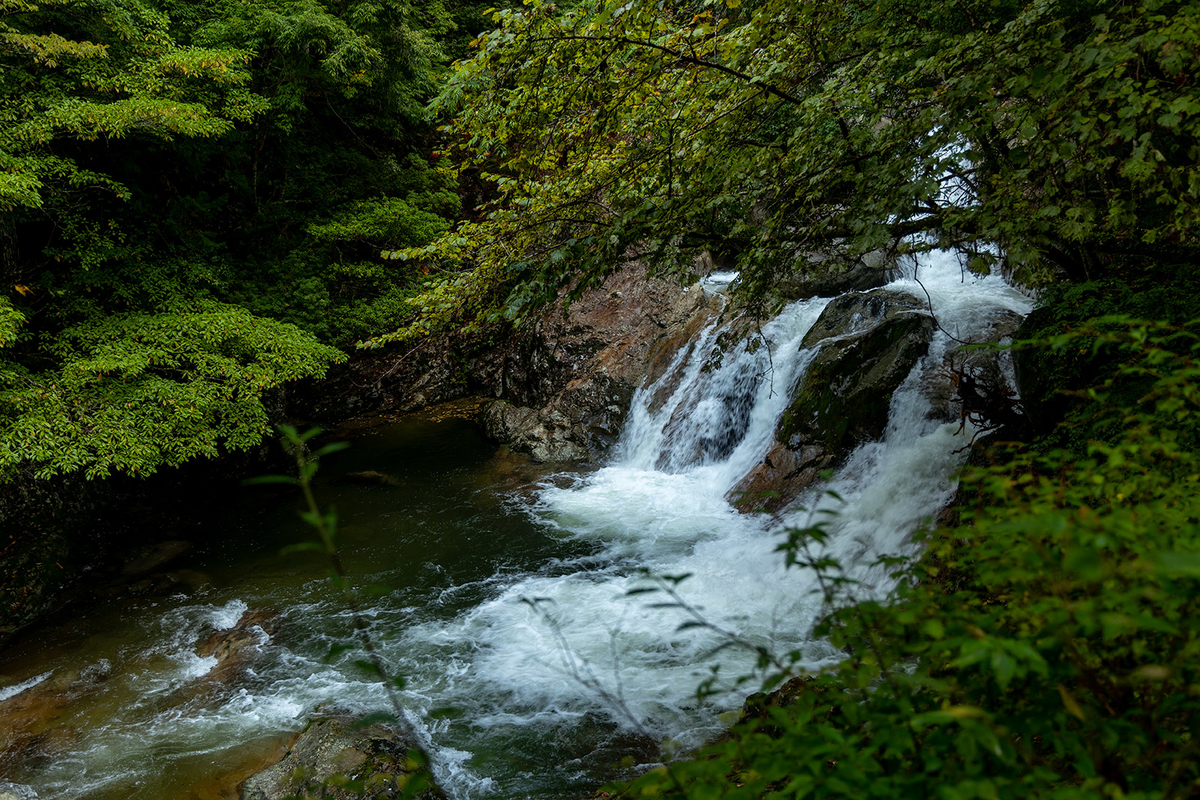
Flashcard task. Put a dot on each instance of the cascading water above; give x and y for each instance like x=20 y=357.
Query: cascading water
x=522 y=623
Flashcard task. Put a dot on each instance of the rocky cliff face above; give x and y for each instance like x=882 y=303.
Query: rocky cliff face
x=562 y=384
x=565 y=391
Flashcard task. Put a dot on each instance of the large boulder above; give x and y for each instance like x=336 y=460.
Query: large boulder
x=866 y=345
x=334 y=758
x=582 y=419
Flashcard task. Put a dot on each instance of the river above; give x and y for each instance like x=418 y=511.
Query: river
x=509 y=598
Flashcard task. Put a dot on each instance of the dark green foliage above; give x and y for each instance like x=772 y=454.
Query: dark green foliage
x=178 y=179
x=1054 y=380
x=791 y=138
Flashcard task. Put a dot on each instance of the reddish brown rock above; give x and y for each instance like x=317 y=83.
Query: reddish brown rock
x=561 y=384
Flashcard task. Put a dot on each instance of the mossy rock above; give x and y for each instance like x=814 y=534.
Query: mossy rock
x=868 y=346
x=334 y=758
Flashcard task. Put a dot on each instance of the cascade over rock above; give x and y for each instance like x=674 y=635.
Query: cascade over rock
x=867 y=345
x=565 y=389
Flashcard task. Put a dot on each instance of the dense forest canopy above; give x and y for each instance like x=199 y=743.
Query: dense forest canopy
x=192 y=201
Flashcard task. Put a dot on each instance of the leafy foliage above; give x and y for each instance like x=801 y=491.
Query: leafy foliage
x=1046 y=648
x=788 y=138
x=134 y=392
x=126 y=77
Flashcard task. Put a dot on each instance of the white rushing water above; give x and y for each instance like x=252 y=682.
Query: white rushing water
x=659 y=509
x=528 y=653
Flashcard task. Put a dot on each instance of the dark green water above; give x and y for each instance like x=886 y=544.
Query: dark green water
x=438 y=526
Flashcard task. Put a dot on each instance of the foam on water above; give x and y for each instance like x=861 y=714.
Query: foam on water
x=224 y=617
x=13 y=691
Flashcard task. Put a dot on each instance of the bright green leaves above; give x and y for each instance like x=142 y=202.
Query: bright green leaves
x=137 y=392
x=390 y=221
x=1065 y=135
x=11 y=320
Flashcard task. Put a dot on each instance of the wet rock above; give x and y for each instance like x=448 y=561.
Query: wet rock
x=868 y=343
x=596 y=747
x=584 y=418
x=1038 y=376
x=370 y=477
x=149 y=559
x=187 y=580
x=565 y=388
x=16 y=791
x=991 y=366
x=181 y=581
x=332 y=751
x=237 y=648
x=546 y=436
x=513 y=475
x=780 y=477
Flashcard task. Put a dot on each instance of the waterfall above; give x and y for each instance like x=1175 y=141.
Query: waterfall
x=659 y=509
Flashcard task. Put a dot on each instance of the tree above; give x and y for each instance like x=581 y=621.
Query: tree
x=1056 y=139
x=113 y=358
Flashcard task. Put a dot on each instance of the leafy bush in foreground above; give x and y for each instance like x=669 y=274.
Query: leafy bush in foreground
x=1047 y=647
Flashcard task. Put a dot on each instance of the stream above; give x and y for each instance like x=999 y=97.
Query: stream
x=502 y=594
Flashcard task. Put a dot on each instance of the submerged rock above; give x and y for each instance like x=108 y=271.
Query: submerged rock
x=370 y=477
x=236 y=648
x=332 y=758
x=16 y=791
x=35 y=723
x=151 y=558
x=867 y=345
